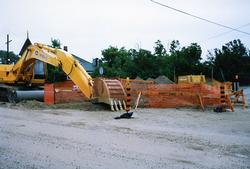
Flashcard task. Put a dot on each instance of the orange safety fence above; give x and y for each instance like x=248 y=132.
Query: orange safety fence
x=152 y=95
x=174 y=95
x=62 y=92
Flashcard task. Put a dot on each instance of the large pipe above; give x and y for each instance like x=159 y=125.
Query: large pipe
x=19 y=95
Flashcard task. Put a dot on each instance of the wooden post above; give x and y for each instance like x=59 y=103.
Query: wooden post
x=201 y=102
x=137 y=100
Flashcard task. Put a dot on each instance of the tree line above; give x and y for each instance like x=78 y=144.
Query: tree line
x=221 y=64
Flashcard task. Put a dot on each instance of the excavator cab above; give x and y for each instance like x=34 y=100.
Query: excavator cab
x=40 y=71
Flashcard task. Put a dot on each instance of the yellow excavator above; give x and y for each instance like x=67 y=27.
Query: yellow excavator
x=19 y=81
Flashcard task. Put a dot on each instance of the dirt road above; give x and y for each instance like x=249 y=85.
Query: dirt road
x=155 y=138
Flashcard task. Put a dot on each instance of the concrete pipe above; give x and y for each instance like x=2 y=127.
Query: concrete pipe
x=19 y=95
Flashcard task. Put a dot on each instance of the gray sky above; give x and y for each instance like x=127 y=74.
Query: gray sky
x=89 y=26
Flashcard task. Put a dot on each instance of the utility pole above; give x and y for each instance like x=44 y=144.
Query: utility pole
x=7 y=59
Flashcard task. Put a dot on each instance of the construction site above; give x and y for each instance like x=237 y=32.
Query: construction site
x=86 y=122
x=181 y=103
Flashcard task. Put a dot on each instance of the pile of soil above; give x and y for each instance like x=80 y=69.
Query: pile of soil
x=163 y=80
x=37 y=105
x=151 y=79
x=138 y=78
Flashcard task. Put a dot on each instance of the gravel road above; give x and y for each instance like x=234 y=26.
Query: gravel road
x=154 y=138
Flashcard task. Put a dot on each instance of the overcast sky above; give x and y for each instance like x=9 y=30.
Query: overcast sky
x=89 y=26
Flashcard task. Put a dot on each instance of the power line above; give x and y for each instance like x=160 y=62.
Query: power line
x=221 y=34
x=197 y=17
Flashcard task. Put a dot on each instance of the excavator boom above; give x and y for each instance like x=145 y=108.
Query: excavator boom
x=22 y=71
x=109 y=91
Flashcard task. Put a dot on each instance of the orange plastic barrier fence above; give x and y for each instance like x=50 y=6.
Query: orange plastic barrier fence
x=174 y=95
x=62 y=92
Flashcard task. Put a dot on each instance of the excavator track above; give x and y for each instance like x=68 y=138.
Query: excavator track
x=110 y=91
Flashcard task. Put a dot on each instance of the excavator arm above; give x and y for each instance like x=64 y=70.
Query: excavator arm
x=22 y=70
x=109 y=91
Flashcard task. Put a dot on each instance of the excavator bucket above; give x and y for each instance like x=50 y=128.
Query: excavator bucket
x=111 y=92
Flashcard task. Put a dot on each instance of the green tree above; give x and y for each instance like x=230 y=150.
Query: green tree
x=55 y=43
x=232 y=59
x=183 y=61
x=174 y=46
x=117 y=62
x=159 y=49
x=145 y=64
x=160 y=54
x=13 y=58
x=191 y=58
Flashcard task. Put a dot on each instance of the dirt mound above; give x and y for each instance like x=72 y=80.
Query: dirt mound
x=151 y=79
x=163 y=80
x=138 y=78
x=33 y=104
